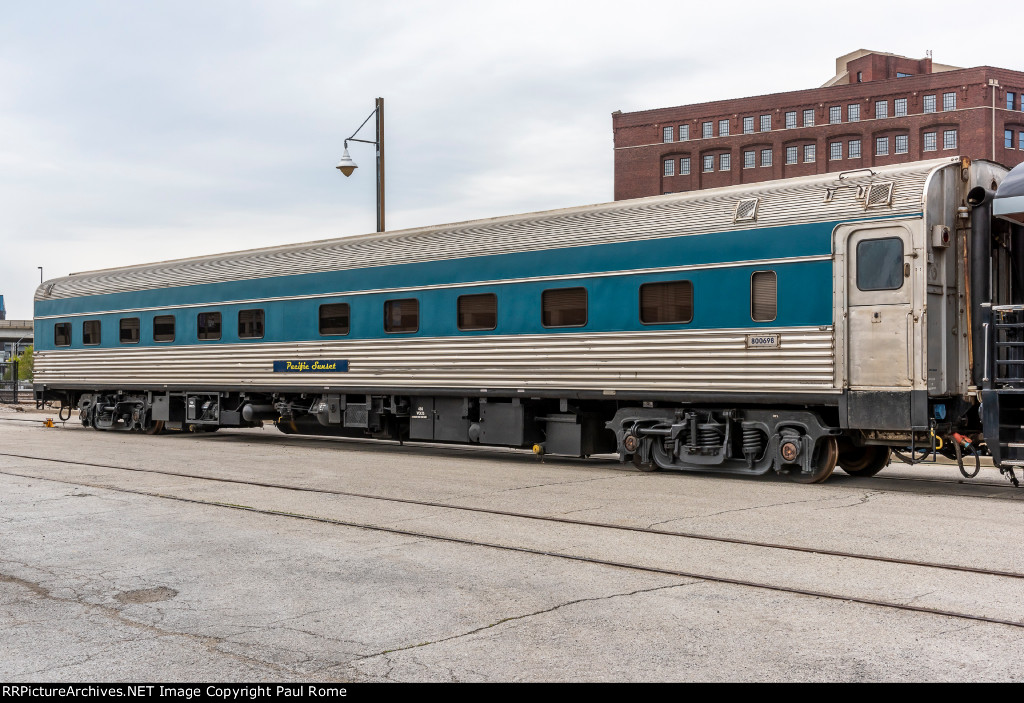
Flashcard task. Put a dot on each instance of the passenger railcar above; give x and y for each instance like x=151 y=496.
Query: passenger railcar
x=788 y=326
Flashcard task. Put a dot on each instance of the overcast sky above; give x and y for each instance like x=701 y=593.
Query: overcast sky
x=141 y=131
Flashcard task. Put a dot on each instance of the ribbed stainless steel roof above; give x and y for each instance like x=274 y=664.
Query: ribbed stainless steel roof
x=783 y=202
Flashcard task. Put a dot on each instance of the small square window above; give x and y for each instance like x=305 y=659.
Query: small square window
x=900 y=107
x=835 y=151
x=949 y=139
x=948 y=101
x=478 y=312
x=881 y=109
x=930 y=141
x=402 y=315
x=882 y=146
x=749 y=159
x=808 y=118
x=766 y=157
x=667 y=134
x=766 y=123
x=669 y=167
x=130 y=330
x=709 y=163
x=835 y=114
x=91 y=332
x=748 y=125
x=684 y=132
x=564 y=307
x=791 y=120
x=763 y=296
x=250 y=324
x=684 y=166
x=928 y=104
x=854 y=150
x=208 y=326
x=853 y=113
x=809 y=153
x=902 y=143
x=723 y=128
x=62 y=334
x=724 y=162
x=666 y=303
x=163 y=328
x=706 y=130
x=335 y=318
x=792 y=155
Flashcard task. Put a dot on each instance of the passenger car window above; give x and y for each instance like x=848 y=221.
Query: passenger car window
x=880 y=264
x=478 y=312
x=129 y=333
x=163 y=328
x=564 y=307
x=334 y=318
x=250 y=324
x=91 y=332
x=402 y=315
x=763 y=296
x=208 y=325
x=62 y=334
x=666 y=302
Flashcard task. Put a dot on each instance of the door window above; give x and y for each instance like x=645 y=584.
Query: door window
x=880 y=264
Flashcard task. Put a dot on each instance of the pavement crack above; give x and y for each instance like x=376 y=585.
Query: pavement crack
x=860 y=501
x=740 y=510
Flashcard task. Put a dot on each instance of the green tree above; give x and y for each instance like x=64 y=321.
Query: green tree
x=25 y=365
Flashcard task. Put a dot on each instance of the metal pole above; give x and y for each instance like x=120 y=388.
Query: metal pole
x=40 y=273
x=380 y=164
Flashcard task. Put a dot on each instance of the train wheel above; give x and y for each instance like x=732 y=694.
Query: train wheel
x=826 y=453
x=638 y=463
x=864 y=461
x=155 y=427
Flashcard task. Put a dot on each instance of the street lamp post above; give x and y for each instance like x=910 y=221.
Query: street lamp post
x=347 y=165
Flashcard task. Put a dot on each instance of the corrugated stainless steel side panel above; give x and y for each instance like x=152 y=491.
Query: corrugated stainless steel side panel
x=785 y=202
x=675 y=360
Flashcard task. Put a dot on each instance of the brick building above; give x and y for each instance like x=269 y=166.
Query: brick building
x=878 y=109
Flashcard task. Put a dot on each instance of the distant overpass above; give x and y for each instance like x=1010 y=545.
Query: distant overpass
x=15 y=335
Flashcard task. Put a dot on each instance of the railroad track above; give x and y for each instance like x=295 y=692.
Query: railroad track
x=542 y=518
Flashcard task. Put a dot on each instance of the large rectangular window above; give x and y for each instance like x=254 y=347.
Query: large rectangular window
x=250 y=324
x=669 y=167
x=91 y=332
x=880 y=264
x=749 y=159
x=1008 y=138
x=854 y=150
x=853 y=113
x=564 y=307
x=684 y=132
x=684 y=166
x=163 y=328
x=709 y=163
x=334 y=319
x=62 y=334
x=902 y=143
x=766 y=157
x=723 y=128
x=130 y=330
x=724 y=162
x=881 y=109
x=949 y=139
x=763 y=296
x=808 y=118
x=809 y=153
x=666 y=134
x=835 y=151
x=478 y=312
x=706 y=130
x=1011 y=100
x=748 y=125
x=791 y=119
x=666 y=303
x=881 y=146
x=766 y=123
x=930 y=141
x=900 y=107
x=948 y=101
x=835 y=114
x=792 y=155
x=208 y=325
x=402 y=315
x=928 y=104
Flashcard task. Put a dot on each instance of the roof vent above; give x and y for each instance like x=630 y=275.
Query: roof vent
x=746 y=210
x=879 y=195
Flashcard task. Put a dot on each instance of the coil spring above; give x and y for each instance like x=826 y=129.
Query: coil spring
x=753 y=441
x=709 y=437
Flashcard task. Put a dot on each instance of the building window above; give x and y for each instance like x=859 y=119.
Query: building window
x=949 y=139
x=929 y=103
x=766 y=157
x=1020 y=140
x=808 y=153
x=748 y=125
x=808 y=118
x=880 y=264
x=130 y=330
x=684 y=166
x=478 y=312
x=684 y=132
x=763 y=296
x=62 y=334
x=402 y=315
x=881 y=109
x=670 y=167
x=900 y=107
x=709 y=163
x=564 y=307
x=854 y=150
x=723 y=128
x=724 y=162
x=749 y=159
x=903 y=75
x=207 y=325
x=666 y=303
x=853 y=113
x=860 y=76
x=791 y=155
x=835 y=151
x=902 y=143
x=91 y=332
x=766 y=123
x=163 y=328
x=790 y=120
x=931 y=141
x=948 y=101
x=706 y=128
x=666 y=134
x=835 y=114
x=335 y=318
x=1008 y=138
x=882 y=146
x=250 y=324
x=1011 y=99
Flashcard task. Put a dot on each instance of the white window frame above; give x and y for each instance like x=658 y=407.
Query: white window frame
x=928 y=104
x=749 y=159
x=949 y=101
x=668 y=167
x=808 y=118
x=707 y=130
x=906 y=144
x=667 y=134
x=881 y=146
x=835 y=114
x=766 y=120
x=684 y=166
x=791 y=119
x=881 y=109
x=766 y=158
x=725 y=162
x=946 y=139
x=684 y=132
x=812 y=151
x=932 y=137
x=853 y=112
x=792 y=155
x=748 y=125
x=853 y=150
x=899 y=107
x=709 y=163
x=835 y=151
x=723 y=128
